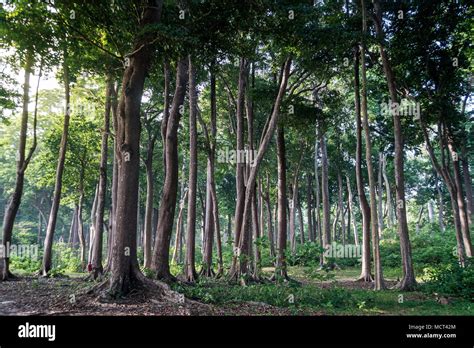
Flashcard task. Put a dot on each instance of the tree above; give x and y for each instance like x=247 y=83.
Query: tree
x=124 y=271
x=97 y=267
x=408 y=281
x=379 y=283
x=48 y=241
x=23 y=160
x=160 y=262
x=190 y=268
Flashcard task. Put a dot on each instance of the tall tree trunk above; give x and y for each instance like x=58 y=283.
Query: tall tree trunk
x=380 y=194
x=125 y=274
x=408 y=281
x=260 y=225
x=309 y=207
x=293 y=204
x=80 y=231
x=365 y=275
x=326 y=225
x=93 y=216
x=22 y=162
x=113 y=195
x=440 y=206
x=466 y=236
x=351 y=215
x=190 y=267
x=388 y=193
x=379 y=282
x=269 y=219
x=280 y=269
x=217 y=230
x=317 y=214
x=262 y=149
x=176 y=259
x=48 y=241
x=301 y=222
x=238 y=266
x=148 y=229
x=207 y=270
x=418 y=220
x=442 y=170
x=468 y=187
x=340 y=208
x=97 y=268
x=72 y=229
x=160 y=262
x=166 y=109
x=431 y=217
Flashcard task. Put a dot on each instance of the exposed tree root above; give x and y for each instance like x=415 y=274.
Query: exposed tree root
x=166 y=278
x=7 y=276
x=406 y=285
x=368 y=278
x=280 y=276
x=207 y=272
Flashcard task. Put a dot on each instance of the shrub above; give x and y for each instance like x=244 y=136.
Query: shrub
x=451 y=279
x=305 y=255
x=65 y=259
x=27 y=264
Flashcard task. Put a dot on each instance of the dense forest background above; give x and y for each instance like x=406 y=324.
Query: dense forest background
x=296 y=153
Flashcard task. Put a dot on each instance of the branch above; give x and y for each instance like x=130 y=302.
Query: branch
x=35 y=121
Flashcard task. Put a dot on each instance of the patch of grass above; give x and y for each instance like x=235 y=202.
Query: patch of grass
x=310 y=297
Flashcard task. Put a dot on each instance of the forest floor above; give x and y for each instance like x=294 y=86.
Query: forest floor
x=308 y=293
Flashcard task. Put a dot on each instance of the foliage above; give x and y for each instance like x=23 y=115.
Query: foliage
x=65 y=259
x=305 y=255
x=281 y=295
x=451 y=279
x=429 y=247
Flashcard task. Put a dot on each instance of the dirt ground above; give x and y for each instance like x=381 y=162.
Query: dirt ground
x=67 y=296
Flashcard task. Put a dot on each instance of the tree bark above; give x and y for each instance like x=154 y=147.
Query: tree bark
x=280 y=269
x=176 y=259
x=365 y=275
x=239 y=265
x=48 y=241
x=190 y=267
x=408 y=281
x=379 y=282
x=294 y=201
x=269 y=219
x=380 y=195
x=326 y=225
x=264 y=143
x=21 y=165
x=301 y=222
x=466 y=236
x=440 y=206
x=207 y=270
x=166 y=109
x=124 y=270
x=113 y=195
x=388 y=193
x=309 y=207
x=351 y=215
x=97 y=268
x=468 y=187
x=160 y=262
x=442 y=170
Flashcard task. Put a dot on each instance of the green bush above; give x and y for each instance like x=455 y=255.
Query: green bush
x=429 y=247
x=27 y=264
x=305 y=255
x=65 y=259
x=451 y=280
x=288 y=295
